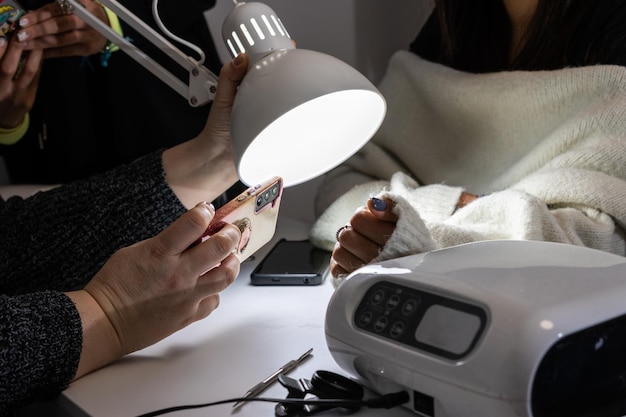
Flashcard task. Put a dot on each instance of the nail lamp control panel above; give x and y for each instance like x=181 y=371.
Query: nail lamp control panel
x=494 y=328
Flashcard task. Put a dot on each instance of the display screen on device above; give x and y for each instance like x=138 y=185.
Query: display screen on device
x=292 y=262
x=442 y=326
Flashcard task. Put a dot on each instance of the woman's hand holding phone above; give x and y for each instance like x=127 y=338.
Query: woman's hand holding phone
x=62 y=34
x=254 y=212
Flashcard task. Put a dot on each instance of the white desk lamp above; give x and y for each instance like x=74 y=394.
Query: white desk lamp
x=298 y=113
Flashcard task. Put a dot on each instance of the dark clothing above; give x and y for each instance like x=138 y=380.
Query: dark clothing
x=54 y=242
x=599 y=38
x=95 y=118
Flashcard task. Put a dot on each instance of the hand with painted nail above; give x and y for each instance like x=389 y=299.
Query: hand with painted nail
x=126 y=299
x=60 y=33
x=156 y=287
x=151 y=289
x=368 y=231
x=19 y=79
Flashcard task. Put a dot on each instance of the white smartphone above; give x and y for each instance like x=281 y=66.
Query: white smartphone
x=254 y=212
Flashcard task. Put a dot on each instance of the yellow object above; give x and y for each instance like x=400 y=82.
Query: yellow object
x=12 y=136
x=114 y=23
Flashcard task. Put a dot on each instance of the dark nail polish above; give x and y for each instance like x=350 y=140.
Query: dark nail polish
x=379 y=205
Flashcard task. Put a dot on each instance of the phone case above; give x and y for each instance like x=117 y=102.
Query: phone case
x=10 y=13
x=254 y=212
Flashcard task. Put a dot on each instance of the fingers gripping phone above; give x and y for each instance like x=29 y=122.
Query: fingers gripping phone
x=10 y=13
x=254 y=212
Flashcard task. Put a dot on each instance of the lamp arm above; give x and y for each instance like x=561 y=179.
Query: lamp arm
x=202 y=82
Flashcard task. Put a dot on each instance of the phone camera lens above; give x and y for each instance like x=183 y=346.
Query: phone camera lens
x=259 y=201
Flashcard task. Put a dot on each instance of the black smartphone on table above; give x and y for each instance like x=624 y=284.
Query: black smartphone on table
x=292 y=262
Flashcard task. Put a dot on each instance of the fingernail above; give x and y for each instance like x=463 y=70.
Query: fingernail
x=21 y=35
x=238 y=60
x=379 y=205
x=208 y=206
x=2 y=42
x=24 y=21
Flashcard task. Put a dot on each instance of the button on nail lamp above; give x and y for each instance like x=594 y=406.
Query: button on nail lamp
x=298 y=113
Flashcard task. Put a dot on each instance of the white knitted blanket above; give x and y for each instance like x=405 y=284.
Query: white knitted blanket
x=547 y=148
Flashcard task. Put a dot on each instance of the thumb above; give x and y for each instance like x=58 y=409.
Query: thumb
x=178 y=236
x=229 y=79
x=382 y=209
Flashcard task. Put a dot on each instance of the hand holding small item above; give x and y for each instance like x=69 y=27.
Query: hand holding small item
x=60 y=33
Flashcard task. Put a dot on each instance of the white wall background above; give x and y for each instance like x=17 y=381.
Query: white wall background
x=363 y=33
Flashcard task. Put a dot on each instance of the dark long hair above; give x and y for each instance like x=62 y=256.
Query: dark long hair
x=476 y=35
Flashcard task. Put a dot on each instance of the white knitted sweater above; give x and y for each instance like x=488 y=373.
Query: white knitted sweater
x=547 y=148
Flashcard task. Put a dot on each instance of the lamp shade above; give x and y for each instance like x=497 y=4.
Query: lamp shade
x=298 y=113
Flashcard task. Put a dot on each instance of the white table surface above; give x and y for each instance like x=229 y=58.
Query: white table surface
x=253 y=332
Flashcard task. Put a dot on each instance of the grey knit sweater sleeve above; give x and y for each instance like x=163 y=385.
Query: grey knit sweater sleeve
x=56 y=241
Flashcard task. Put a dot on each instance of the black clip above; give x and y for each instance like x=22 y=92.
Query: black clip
x=324 y=385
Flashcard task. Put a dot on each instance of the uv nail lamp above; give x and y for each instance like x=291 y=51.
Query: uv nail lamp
x=495 y=328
